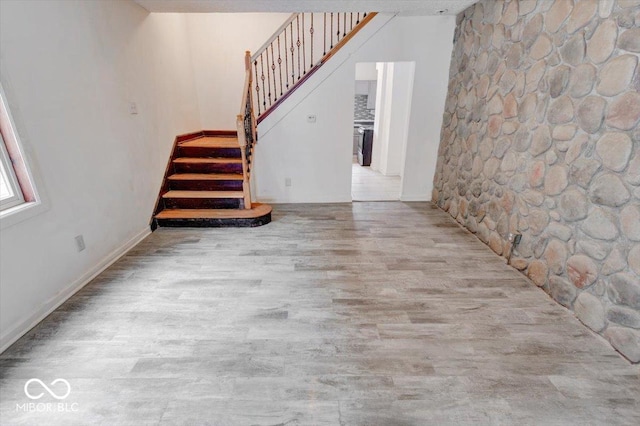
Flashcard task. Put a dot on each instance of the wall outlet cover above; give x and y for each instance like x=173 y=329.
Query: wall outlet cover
x=80 y=243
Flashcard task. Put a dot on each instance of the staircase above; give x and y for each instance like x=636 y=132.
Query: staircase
x=204 y=185
x=207 y=180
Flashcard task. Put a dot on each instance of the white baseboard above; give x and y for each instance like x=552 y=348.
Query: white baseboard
x=410 y=198
x=11 y=336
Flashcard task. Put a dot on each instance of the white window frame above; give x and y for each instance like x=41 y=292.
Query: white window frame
x=9 y=177
x=16 y=163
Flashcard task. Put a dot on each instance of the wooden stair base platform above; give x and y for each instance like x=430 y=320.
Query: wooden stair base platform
x=258 y=215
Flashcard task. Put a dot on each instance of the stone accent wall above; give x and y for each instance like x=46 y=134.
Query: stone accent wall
x=541 y=136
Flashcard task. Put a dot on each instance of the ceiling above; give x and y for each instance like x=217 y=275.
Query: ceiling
x=404 y=7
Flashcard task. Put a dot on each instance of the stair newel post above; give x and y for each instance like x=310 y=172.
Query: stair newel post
x=242 y=141
x=245 y=122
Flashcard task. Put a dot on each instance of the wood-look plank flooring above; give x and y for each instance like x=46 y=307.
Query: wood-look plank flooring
x=343 y=314
x=370 y=185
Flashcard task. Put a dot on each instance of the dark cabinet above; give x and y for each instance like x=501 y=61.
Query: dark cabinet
x=365 y=145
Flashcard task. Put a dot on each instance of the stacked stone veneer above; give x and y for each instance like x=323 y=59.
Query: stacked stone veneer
x=541 y=136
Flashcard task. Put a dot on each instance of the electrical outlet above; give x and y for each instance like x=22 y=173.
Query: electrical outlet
x=133 y=108
x=287 y=181
x=80 y=243
x=311 y=118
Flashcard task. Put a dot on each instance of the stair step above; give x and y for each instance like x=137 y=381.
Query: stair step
x=207 y=165
x=203 y=194
x=211 y=147
x=212 y=142
x=256 y=211
x=206 y=176
x=206 y=181
x=197 y=160
x=189 y=199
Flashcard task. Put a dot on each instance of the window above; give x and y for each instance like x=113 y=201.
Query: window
x=10 y=191
x=16 y=188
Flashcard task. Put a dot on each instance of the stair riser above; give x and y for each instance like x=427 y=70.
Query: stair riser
x=209 y=152
x=207 y=168
x=203 y=203
x=206 y=185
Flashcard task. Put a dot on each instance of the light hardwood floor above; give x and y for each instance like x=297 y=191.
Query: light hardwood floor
x=344 y=314
x=370 y=185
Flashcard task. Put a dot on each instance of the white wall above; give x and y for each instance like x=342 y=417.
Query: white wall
x=317 y=157
x=366 y=71
x=218 y=42
x=69 y=70
x=401 y=76
x=381 y=122
x=393 y=107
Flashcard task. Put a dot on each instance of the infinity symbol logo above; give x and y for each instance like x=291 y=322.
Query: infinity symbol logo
x=52 y=393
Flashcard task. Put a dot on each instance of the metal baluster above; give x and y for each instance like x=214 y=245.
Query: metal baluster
x=350 y=21
x=280 y=64
x=311 y=32
x=324 y=35
x=273 y=72
x=266 y=51
x=286 y=61
x=344 y=33
x=255 y=65
x=293 y=72
x=331 y=46
x=304 y=49
x=298 y=43
x=264 y=92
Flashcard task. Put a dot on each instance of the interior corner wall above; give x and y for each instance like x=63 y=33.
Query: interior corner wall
x=401 y=89
x=218 y=42
x=70 y=70
x=317 y=156
x=384 y=88
x=541 y=137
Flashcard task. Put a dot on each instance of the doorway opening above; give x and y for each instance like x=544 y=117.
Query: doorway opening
x=382 y=105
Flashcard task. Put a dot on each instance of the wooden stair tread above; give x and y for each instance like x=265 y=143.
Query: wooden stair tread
x=206 y=176
x=212 y=142
x=203 y=194
x=199 y=160
x=257 y=210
